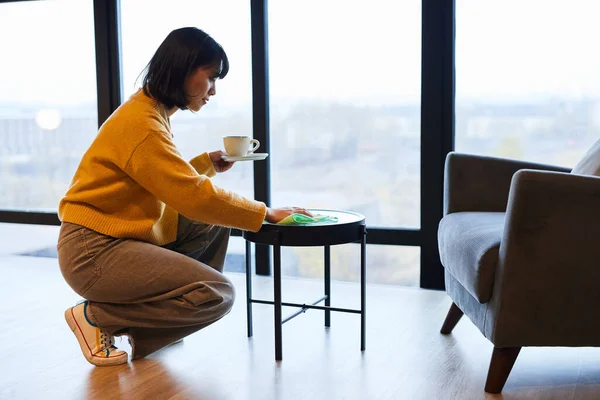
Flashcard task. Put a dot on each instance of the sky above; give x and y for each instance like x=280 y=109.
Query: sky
x=325 y=50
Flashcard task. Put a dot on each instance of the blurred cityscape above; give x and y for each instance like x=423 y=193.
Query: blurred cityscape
x=334 y=155
x=345 y=114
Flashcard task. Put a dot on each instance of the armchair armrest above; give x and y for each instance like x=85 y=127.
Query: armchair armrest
x=482 y=183
x=548 y=272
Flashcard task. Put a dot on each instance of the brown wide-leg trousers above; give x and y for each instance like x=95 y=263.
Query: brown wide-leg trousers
x=156 y=295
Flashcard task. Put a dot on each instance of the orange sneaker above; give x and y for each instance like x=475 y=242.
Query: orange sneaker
x=97 y=346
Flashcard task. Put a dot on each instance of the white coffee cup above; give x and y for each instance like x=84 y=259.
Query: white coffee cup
x=239 y=146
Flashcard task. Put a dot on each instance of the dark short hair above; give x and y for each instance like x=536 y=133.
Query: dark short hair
x=179 y=55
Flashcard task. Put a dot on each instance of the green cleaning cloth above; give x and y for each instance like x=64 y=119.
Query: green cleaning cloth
x=301 y=219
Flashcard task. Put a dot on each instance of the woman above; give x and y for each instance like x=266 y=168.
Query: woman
x=144 y=232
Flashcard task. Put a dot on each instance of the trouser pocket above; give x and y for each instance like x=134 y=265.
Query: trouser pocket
x=77 y=246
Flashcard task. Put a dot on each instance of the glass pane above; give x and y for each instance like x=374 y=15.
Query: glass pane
x=388 y=265
x=345 y=107
x=235 y=259
x=527 y=82
x=48 y=107
x=40 y=241
x=28 y=240
x=230 y=111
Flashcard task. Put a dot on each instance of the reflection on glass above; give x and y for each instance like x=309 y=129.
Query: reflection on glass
x=524 y=93
x=48 y=119
x=47 y=99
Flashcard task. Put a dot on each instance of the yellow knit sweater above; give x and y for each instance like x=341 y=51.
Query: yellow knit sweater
x=132 y=182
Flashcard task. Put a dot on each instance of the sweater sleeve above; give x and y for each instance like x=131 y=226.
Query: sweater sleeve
x=158 y=167
x=203 y=165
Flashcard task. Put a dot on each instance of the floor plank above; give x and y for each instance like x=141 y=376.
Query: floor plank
x=406 y=357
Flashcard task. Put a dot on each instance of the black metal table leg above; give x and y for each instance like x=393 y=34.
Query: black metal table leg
x=363 y=288
x=328 y=284
x=248 y=288
x=277 y=300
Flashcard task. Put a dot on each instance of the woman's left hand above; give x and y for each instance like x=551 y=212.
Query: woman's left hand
x=217 y=159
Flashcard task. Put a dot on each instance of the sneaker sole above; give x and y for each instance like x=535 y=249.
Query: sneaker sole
x=85 y=348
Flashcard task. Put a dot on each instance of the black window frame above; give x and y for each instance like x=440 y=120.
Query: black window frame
x=437 y=122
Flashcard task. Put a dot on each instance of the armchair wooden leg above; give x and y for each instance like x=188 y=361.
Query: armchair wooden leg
x=501 y=364
x=454 y=315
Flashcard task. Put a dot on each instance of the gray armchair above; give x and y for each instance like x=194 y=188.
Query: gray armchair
x=520 y=245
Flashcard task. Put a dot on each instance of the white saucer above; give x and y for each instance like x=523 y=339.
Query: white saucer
x=247 y=157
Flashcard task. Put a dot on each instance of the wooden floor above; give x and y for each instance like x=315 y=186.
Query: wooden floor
x=406 y=357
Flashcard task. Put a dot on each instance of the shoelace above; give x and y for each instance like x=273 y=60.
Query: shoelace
x=107 y=341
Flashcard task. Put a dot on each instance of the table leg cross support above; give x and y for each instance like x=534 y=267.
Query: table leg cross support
x=303 y=310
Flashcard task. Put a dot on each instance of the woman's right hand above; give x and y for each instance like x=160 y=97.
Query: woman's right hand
x=274 y=215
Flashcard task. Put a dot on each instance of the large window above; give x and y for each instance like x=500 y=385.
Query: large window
x=47 y=99
x=145 y=24
x=345 y=114
x=527 y=83
x=344 y=80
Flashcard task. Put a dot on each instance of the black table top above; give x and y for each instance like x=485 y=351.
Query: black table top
x=348 y=228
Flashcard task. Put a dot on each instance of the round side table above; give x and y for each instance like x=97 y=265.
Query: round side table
x=349 y=227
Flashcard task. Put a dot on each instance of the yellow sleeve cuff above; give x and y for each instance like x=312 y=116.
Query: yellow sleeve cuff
x=203 y=165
